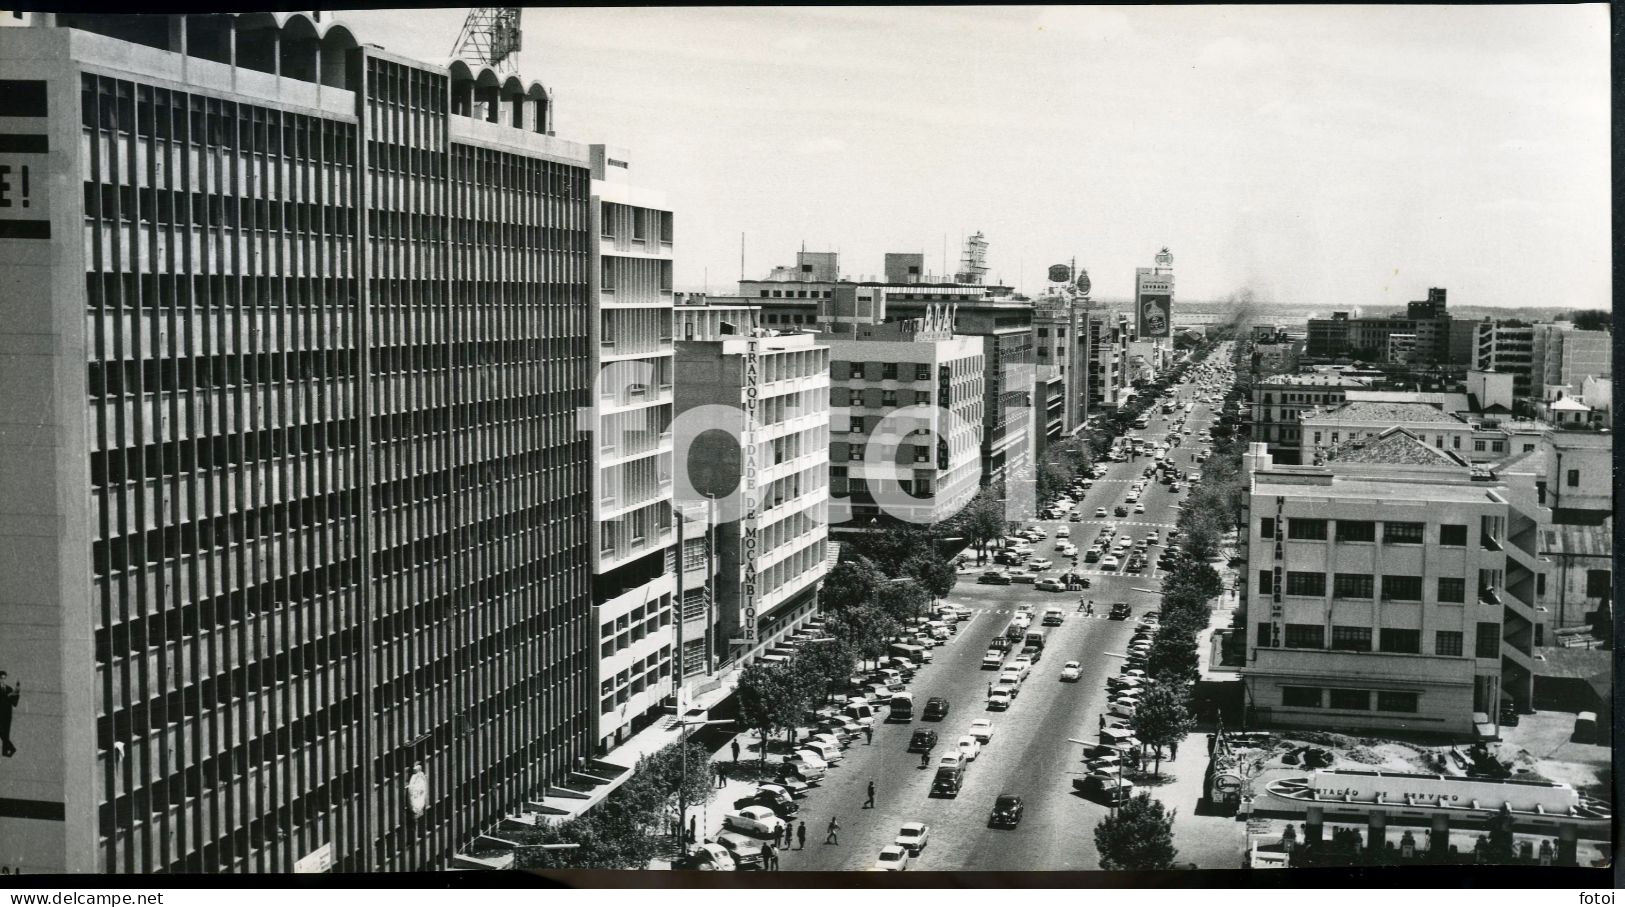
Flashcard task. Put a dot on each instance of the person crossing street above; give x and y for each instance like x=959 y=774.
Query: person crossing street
x=834 y=827
x=801 y=835
x=870 y=803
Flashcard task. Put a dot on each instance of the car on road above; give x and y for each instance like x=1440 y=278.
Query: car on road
x=893 y=858
x=1022 y=576
x=1100 y=513
x=1011 y=677
x=913 y=837
x=969 y=748
x=1063 y=532
x=1076 y=516
x=1120 y=510
x=1023 y=663
x=1110 y=562
x=1072 y=671
x=936 y=709
x=1049 y=584
x=1066 y=549
x=1139 y=507
x=982 y=730
x=708 y=858
x=1091 y=556
x=1120 y=611
x=999 y=699
x=746 y=851
x=994 y=578
x=994 y=659
x=950 y=776
x=1054 y=617
x=923 y=741
x=1007 y=810
x=1039 y=564
x=754 y=820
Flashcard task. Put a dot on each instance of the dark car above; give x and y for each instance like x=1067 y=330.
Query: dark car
x=922 y=742
x=781 y=806
x=1120 y=510
x=1007 y=811
x=1121 y=611
x=936 y=708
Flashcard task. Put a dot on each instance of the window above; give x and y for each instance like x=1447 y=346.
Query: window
x=1455 y=442
x=1266 y=584
x=888 y=372
x=1574 y=478
x=1351 y=639
x=1497 y=447
x=1354 y=585
x=922 y=373
x=1394 y=701
x=1265 y=637
x=1528 y=447
x=1401 y=588
x=1356 y=531
x=1402 y=642
x=1305 y=583
x=1540 y=584
x=1313 y=530
x=1301 y=697
x=1353 y=700
x=1478 y=446
x=1489 y=640
x=855 y=398
x=854 y=451
x=888 y=398
x=1266 y=527
x=1402 y=533
x=1453 y=535
x=1447 y=642
x=1305 y=636
x=1452 y=589
x=1599 y=583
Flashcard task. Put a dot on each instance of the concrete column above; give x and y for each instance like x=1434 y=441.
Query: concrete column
x=1568 y=845
x=1314 y=824
x=1439 y=841
x=177 y=35
x=1376 y=831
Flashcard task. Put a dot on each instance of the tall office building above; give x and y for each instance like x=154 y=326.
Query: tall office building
x=633 y=535
x=295 y=566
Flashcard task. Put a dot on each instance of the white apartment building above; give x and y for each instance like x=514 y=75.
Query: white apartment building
x=764 y=471
x=1323 y=430
x=633 y=533
x=1392 y=588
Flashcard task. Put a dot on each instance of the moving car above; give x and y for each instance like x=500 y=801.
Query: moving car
x=1071 y=671
x=893 y=858
x=1011 y=678
x=994 y=578
x=993 y=659
x=1049 y=584
x=1139 y=508
x=936 y=709
x=1007 y=810
x=982 y=730
x=1091 y=556
x=923 y=741
x=1100 y=513
x=1063 y=532
x=754 y=820
x=969 y=748
x=1039 y=564
x=1021 y=576
x=1054 y=617
x=1110 y=562
x=1120 y=611
x=913 y=837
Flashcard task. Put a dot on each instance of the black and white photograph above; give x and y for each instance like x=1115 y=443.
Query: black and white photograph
x=1090 y=446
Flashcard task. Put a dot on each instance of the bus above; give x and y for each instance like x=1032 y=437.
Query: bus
x=1137 y=445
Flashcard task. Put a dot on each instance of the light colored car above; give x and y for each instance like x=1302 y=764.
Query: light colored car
x=1039 y=564
x=999 y=699
x=1139 y=508
x=1109 y=562
x=1011 y=677
x=1066 y=549
x=1100 y=512
x=754 y=820
x=893 y=858
x=1071 y=671
x=913 y=837
x=1022 y=576
x=1063 y=532
x=1049 y=584
x=955 y=759
x=1023 y=663
x=993 y=659
x=1123 y=709
x=982 y=730
x=969 y=748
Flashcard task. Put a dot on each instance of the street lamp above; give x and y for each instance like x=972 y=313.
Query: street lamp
x=682 y=758
x=1120 y=748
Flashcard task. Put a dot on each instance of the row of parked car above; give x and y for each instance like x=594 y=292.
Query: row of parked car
x=1103 y=776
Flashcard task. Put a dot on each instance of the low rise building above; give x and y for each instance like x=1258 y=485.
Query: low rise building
x=1279 y=400
x=1393 y=587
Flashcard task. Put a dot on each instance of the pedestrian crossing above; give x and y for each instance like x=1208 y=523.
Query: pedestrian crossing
x=1071 y=615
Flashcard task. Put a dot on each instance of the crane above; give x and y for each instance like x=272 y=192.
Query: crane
x=490 y=37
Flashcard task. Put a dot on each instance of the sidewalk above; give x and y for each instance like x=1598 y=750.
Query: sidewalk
x=1209 y=841
x=742 y=782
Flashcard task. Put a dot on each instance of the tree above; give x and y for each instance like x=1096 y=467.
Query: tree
x=771 y=697
x=1592 y=319
x=827 y=666
x=1162 y=718
x=866 y=629
x=901 y=599
x=1139 y=835
x=1172 y=657
x=981 y=521
x=850 y=585
x=935 y=575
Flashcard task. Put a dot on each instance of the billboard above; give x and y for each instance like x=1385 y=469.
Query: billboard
x=750 y=541
x=1060 y=273
x=1153 y=303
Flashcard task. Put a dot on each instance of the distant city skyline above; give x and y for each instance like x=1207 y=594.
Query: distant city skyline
x=1339 y=156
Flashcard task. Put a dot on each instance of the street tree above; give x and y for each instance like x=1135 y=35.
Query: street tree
x=935 y=575
x=1172 y=657
x=901 y=599
x=771 y=698
x=866 y=630
x=827 y=666
x=981 y=522
x=1139 y=835
x=850 y=585
x=1162 y=718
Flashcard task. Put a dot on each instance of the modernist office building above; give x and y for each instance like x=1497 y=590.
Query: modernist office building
x=295 y=566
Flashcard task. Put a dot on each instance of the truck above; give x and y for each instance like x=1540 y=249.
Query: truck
x=1035 y=639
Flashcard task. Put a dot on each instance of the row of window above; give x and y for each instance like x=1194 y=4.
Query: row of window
x=1393 y=533
x=791 y=294
x=1391 y=640
x=1349 y=700
x=1451 y=589
x=878 y=371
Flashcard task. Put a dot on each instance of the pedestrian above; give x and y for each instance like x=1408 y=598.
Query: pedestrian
x=990 y=689
x=801 y=835
x=785 y=835
x=868 y=734
x=722 y=774
x=1173 y=750
x=870 y=804
x=769 y=853
x=1103 y=721
x=834 y=827
x=692 y=827
x=736 y=749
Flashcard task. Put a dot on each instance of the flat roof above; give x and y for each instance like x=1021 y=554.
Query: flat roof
x=1375 y=489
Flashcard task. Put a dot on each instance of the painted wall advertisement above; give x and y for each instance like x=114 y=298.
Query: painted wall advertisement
x=750 y=590
x=1154 y=303
x=24 y=146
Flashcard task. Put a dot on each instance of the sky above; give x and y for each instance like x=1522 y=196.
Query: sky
x=1332 y=156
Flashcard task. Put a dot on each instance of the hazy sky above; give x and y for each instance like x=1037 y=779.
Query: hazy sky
x=1348 y=156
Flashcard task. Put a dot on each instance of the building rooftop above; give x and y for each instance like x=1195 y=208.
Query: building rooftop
x=1530 y=461
x=1580 y=541
x=1448 y=402
x=1366 y=488
x=1313 y=381
x=1396 y=446
x=1382 y=411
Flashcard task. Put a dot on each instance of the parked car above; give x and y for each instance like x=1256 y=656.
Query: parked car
x=781 y=805
x=1007 y=810
x=936 y=709
x=1100 y=513
x=969 y=748
x=754 y=820
x=982 y=730
x=707 y=857
x=999 y=699
x=923 y=741
x=746 y=851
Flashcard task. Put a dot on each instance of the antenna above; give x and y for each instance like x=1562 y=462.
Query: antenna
x=490 y=37
x=741 y=256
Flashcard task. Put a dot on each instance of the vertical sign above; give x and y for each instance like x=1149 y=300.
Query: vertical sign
x=24 y=203
x=1153 y=303
x=749 y=542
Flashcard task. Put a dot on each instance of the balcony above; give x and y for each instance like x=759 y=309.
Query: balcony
x=1489 y=542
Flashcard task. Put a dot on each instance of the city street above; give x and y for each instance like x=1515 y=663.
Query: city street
x=1030 y=755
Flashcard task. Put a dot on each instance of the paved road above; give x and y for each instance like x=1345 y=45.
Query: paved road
x=1029 y=755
